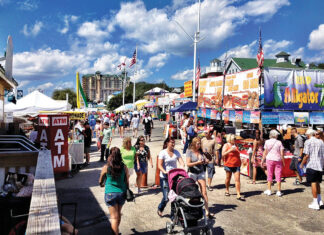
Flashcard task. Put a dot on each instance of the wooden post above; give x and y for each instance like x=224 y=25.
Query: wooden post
x=157 y=172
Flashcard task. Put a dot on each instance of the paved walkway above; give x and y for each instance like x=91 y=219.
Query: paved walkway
x=260 y=214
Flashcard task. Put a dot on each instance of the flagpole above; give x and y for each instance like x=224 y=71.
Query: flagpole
x=196 y=40
x=134 y=81
x=123 y=83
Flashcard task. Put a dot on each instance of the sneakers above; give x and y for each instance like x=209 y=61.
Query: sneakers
x=314 y=206
x=139 y=191
x=320 y=203
x=297 y=182
x=279 y=194
x=209 y=188
x=267 y=192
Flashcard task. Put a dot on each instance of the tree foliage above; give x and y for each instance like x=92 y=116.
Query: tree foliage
x=61 y=95
x=140 y=89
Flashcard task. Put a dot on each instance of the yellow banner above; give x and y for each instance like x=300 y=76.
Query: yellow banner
x=188 y=89
x=76 y=115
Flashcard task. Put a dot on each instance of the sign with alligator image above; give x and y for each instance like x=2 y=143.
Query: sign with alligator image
x=293 y=89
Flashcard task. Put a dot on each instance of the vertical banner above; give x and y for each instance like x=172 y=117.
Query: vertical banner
x=316 y=118
x=188 y=89
x=286 y=118
x=301 y=118
x=238 y=116
x=53 y=135
x=246 y=116
x=208 y=113
x=255 y=116
x=226 y=115
x=270 y=118
x=232 y=115
x=213 y=114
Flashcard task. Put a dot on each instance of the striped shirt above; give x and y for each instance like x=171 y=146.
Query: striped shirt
x=315 y=149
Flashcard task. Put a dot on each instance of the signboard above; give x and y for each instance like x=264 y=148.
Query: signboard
x=294 y=89
x=8 y=117
x=316 y=118
x=238 y=116
x=246 y=116
x=255 y=117
x=241 y=91
x=270 y=118
x=203 y=113
x=286 y=118
x=53 y=135
x=232 y=115
x=213 y=114
x=20 y=94
x=301 y=118
x=188 y=89
x=208 y=113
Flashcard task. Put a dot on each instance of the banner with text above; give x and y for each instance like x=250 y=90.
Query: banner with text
x=188 y=89
x=294 y=89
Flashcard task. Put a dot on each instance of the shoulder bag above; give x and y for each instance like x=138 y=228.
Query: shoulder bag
x=129 y=194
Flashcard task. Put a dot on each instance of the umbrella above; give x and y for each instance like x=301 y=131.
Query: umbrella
x=140 y=103
x=156 y=91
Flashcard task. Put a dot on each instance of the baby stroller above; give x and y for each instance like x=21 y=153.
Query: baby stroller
x=188 y=204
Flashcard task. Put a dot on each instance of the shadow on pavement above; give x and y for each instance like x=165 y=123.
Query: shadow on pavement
x=291 y=191
x=216 y=208
x=89 y=215
x=251 y=193
x=160 y=231
x=222 y=186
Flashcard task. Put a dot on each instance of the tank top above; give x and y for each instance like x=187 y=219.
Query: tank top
x=232 y=159
x=116 y=185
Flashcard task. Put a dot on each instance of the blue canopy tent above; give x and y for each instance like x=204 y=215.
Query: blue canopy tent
x=189 y=106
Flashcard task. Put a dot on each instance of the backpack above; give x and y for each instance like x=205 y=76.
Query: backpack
x=191 y=131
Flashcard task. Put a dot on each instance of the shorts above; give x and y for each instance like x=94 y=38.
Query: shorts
x=200 y=176
x=147 y=132
x=258 y=162
x=232 y=169
x=313 y=176
x=86 y=149
x=210 y=170
x=112 y=199
x=143 y=167
x=130 y=171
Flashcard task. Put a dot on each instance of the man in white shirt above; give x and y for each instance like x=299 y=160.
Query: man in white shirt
x=314 y=160
x=183 y=128
x=134 y=125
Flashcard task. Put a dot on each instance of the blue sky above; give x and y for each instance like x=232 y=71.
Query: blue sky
x=55 y=39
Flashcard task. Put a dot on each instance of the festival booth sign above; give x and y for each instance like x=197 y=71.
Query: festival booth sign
x=188 y=89
x=294 y=89
x=316 y=118
x=53 y=134
x=241 y=91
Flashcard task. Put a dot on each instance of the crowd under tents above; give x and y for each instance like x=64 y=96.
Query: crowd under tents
x=35 y=102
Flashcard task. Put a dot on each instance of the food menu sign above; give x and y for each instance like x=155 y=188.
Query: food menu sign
x=188 y=89
x=294 y=89
x=241 y=91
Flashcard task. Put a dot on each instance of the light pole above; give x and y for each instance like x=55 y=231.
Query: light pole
x=196 y=40
x=124 y=80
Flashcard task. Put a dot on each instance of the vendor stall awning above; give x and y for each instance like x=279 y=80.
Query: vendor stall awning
x=189 y=106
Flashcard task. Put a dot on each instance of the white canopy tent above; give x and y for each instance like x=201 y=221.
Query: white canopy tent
x=34 y=102
x=155 y=91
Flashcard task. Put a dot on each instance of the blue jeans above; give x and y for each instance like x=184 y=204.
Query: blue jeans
x=165 y=190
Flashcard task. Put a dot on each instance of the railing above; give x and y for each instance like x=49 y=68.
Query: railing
x=43 y=213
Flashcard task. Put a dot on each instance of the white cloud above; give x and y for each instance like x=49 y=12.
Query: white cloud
x=263 y=8
x=3 y=2
x=272 y=47
x=299 y=53
x=45 y=63
x=67 y=20
x=158 y=31
x=28 y=5
x=33 y=30
x=63 y=85
x=245 y=51
x=157 y=61
x=23 y=83
x=45 y=86
x=95 y=31
x=183 y=75
x=316 y=38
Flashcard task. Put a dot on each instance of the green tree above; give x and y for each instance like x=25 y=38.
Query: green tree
x=61 y=95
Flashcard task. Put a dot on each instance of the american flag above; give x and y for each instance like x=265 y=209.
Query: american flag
x=198 y=74
x=260 y=55
x=133 y=61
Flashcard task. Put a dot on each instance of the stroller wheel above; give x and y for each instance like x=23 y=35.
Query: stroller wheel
x=206 y=231
x=169 y=227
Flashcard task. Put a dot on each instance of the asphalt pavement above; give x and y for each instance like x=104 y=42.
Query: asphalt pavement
x=259 y=214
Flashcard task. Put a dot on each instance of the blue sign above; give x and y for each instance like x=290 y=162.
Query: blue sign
x=232 y=115
x=316 y=118
x=208 y=113
x=270 y=117
x=246 y=116
x=286 y=118
x=199 y=113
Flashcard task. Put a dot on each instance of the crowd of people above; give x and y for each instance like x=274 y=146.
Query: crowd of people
x=202 y=154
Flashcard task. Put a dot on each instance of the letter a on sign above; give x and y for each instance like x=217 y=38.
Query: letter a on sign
x=59 y=135
x=43 y=136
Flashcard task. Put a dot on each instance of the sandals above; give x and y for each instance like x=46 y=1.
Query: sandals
x=227 y=194
x=159 y=213
x=251 y=182
x=241 y=199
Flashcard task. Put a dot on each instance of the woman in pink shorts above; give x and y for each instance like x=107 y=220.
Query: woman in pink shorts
x=257 y=155
x=273 y=153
